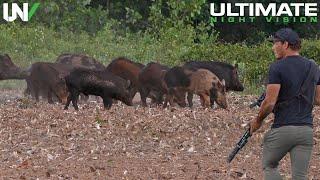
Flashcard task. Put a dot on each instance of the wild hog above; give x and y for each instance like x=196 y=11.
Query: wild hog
x=8 y=70
x=201 y=82
x=80 y=61
x=70 y=61
x=208 y=86
x=151 y=78
x=223 y=70
x=177 y=79
x=49 y=79
x=99 y=83
x=127 y=70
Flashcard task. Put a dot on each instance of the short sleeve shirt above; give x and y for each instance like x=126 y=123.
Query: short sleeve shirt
x=291 y=72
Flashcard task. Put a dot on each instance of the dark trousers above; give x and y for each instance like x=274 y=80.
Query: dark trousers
x=297 y=140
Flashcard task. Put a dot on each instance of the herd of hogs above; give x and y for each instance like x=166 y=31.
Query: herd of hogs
x=74 y=75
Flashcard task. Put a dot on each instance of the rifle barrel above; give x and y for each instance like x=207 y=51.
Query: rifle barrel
x=242 y=142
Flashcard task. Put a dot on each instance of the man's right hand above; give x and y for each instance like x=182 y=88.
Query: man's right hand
x=254 y=125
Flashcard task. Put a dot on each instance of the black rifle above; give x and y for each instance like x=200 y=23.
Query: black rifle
x=259 y=101
x=239 y=145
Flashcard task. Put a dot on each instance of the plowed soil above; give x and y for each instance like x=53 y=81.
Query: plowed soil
x=43 y=141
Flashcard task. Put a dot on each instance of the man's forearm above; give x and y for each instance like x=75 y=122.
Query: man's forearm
x=317 y=96
x=265 y=109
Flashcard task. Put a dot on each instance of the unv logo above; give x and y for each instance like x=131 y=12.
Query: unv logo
x=24 y=14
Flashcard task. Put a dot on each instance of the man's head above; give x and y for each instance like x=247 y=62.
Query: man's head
x=285 y=42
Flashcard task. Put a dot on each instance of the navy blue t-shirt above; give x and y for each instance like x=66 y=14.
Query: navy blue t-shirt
x=290 y=72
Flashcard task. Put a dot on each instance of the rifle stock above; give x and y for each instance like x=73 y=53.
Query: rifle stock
x=259 y=101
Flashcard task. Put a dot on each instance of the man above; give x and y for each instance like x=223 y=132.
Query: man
x=292 y=102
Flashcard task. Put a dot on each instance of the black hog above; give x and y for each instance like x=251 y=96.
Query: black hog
x=80 y=61
x=127 y=70
x=8 y=70
x=178 y=77
x=48 y=79
x=99 y=83
x=176 y=80
x=151 y=78
x=223 y=70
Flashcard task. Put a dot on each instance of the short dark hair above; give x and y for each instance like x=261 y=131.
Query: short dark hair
x=289 y=35
x=296 y=46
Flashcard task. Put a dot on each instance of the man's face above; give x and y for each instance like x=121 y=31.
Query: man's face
x=279 y=49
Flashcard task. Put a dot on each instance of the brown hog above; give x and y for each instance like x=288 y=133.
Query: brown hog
x=208 y=86
x=80 y=61
x=201 y=82
x=127 y=70
x=8 y=70
x=151 y=80
x=48 y=78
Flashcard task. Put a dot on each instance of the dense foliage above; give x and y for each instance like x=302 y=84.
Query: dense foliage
x=166 y=31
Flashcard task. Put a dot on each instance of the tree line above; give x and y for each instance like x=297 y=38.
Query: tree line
x=132 y=16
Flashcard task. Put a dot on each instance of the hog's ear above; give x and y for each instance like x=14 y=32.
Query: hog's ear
x=6 y=56
x=219 y=84
x=7 y=60
x=128 y=84
x=236 y=66
x=223 y=82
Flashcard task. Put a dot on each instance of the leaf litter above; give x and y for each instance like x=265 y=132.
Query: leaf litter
x=40 y=140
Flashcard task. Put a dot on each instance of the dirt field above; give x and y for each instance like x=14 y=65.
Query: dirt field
x=42 y=141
